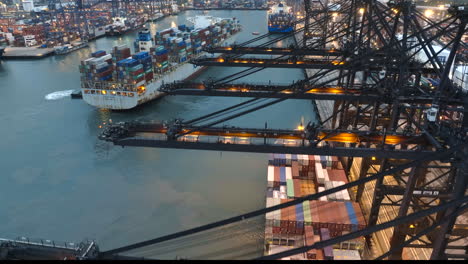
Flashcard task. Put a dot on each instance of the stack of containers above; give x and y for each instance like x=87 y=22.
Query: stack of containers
x=328 y=250
x=98 y=68
x=294 y=222
x=160 y=58
x=121 y=52
x=145 y=60
x=342 y=195
x=130 y=71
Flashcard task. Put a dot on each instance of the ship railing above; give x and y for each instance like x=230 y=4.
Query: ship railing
x=111 y=86
x=41 y=242
x=252 y=141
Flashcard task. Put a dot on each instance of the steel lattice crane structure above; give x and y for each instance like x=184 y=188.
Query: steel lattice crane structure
x=369 y=62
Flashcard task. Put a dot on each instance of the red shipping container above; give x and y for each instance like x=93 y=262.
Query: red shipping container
x=276 y=230
x=297 y=188
x=277 y=174
x=346 y=220
x=105 y=73
x=149 y=76
x=137 y=72
x=140 y=79
x=322 y=212
x=320 y=255
x=332 y=215
x=314 y=214
x=359 y=216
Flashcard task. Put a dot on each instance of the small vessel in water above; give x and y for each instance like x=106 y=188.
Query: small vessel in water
x=255 y=33
x=67 y=48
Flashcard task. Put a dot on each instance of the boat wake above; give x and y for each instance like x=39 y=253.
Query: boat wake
x=58 y=95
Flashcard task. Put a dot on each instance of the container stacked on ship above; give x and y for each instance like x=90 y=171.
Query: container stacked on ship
x=133 y=80
x=293 y=176
x=107 y=78
x=280 y=19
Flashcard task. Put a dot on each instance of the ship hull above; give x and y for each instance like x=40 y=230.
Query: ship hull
x=2 y=50
x=120 y=102
x=273 y=29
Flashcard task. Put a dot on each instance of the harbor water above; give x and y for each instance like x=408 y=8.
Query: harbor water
x=60 y=182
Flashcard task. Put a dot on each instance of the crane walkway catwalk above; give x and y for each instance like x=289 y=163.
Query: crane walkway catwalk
x=372 y=63
x=275 y=51
x=25 y=248
x=299 y=90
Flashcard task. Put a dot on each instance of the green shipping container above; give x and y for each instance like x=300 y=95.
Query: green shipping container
x=290 y=188
x=164 y=63
x=138 y=76
x=149 y=71
x=136 y=68
x=306 y=210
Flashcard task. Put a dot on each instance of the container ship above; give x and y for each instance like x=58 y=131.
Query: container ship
x=293 y=176
x=122 y=81
x=123 y=25
x=280 y=19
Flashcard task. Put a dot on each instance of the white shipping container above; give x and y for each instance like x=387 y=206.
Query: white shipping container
x=323 y=198
x=339 y=195
x=319 y=173
x=88 y=61
x=282 y=189
x=332 y=196
x=107 y=57
x=344 y=193
x=271 y=174
x=325 y=175
x=101 y=65
x=277 y=213
x=346 y=196
x=341 y=254
x=276 y=194
x=288 y=173
x=269 y=203
x=317 y=158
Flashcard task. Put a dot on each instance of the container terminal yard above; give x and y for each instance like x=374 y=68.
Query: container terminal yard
x=380 y=172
